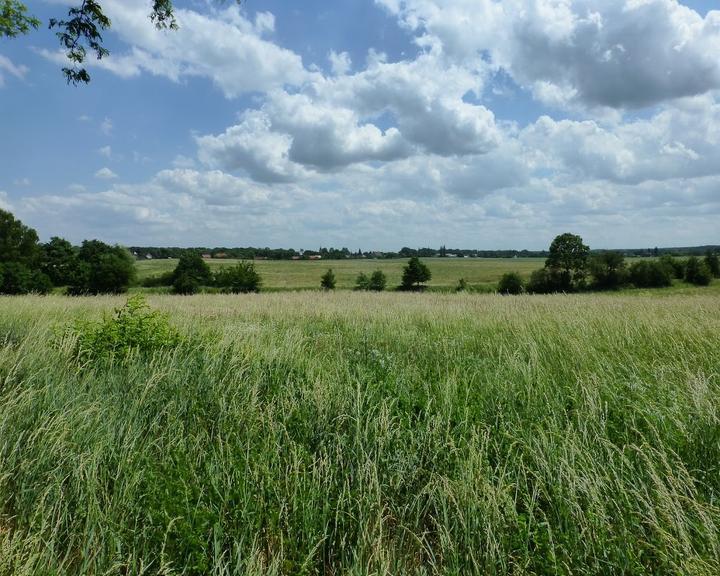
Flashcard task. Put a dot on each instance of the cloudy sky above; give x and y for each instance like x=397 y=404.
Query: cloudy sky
x=373 y=125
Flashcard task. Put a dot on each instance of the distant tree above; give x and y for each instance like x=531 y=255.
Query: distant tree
x=511 y=283
x=185 y=284
x=328 y=280
x=568 y=261
x=544 y=281
x=415 y=274
x=20 y=255
x=241 y=278
x=103 y=269
x=362 y=282
x=191 y=270
x=712 y=261
x=60 y=261
x=608 y=270
x=650 y=274
x=378 y=281
x=461 y=285
x=697 y=272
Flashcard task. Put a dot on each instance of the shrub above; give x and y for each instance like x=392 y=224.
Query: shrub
x=650 y=274
x=461 y=285
x=511 y=283
x=608 y=270
x=568 y=260
x=328 y=280
x=546 y=281
x=697 y=272
x=239 y=278
x=378 y=281
x=362 y=282
x=132 y=328
x=675 y=266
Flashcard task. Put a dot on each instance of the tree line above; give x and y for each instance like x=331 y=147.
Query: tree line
x=571 y=267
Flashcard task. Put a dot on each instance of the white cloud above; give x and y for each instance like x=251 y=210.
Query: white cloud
x=221 y=45
x=105 y=174
x=105 y=151
x=614 y=53
x=24 y=182
x=8 y=67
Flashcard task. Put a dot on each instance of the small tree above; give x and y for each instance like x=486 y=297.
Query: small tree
x=511 y=283
x=185 y=284
x=697 y=272
x=241 y=278
x=192 y=265
x=713 y=263
x=327 y=281
x=675 y=266
x=461 y=285
x=378 y=281
x=568 y=261
x=415 y=274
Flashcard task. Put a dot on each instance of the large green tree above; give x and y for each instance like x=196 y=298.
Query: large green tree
x=568 y=261
x=103 y=269
x=81 y=31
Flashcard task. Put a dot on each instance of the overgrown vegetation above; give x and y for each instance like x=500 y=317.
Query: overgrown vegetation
x=366 y=434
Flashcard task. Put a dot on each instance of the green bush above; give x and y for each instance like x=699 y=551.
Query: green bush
x=239 y=278
x=102 y=269
x=650 y=274
x=328 y=280
x=676 y=266
x=712 y=261
x=608 y=270
x=378 y=281
x=185 y=284
x=415 y=274
x=511 y=283
x=132 y=328
x=697 y=272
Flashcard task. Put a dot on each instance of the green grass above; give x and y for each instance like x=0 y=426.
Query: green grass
x=347 y=433
x=305 y=274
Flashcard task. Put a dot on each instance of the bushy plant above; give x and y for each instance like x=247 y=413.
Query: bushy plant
x=511 y=283
x=328 y=280
x=697 y=272
x=545 y=281
x=190 y=273
x=650 y=274
x=362 y=282
x=461 y=285
x=608 y=270
x=378 y=281
x=132 y=328
x=102 y=269
x=675 y=266
x=241 y=278
x=17 y=278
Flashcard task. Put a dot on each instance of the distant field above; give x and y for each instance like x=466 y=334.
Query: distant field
x=303 y=274
x=354 y=433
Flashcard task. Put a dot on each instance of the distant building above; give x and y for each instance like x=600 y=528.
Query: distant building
x=207 y=256
x=260 y=258
x=220 y=255
x=148 y=256
x=296 y=257
x=315 y=257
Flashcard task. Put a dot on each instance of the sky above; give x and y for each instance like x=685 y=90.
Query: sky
x=372 y=125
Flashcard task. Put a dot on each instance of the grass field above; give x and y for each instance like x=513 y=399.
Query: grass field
x=348 y=433
x=481 y=273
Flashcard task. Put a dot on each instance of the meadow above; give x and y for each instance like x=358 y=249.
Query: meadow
x=356 y=433
x=481 y=273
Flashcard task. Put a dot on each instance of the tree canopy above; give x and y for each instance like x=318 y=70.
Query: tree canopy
x=80 y=31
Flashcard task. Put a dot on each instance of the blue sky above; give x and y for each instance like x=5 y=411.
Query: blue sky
x=372 y=125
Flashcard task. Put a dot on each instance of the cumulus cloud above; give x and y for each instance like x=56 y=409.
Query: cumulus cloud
x=615 y=53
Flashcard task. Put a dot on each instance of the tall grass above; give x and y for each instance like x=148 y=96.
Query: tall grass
x=309 y=433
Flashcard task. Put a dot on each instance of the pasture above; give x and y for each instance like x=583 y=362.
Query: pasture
x=355 y=433
x=481 y=273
